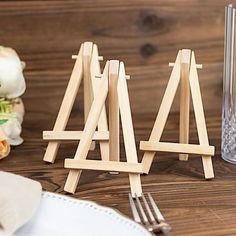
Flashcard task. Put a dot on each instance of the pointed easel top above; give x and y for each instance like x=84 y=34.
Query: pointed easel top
x=184 y=57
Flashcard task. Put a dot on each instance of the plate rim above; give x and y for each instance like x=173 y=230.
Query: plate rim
x=105 y=209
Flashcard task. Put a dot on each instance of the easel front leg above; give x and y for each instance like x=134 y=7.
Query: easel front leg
x=102 y=123
x=128 y=131
x=163 y=113
x=208 y=167
x=200 y=118
x=89 y=129
x=114 y=120
x=88 y=92
x=51 y=151
x=184 y=101
x=66 y=106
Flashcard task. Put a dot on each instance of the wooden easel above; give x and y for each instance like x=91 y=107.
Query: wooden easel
x=185 y=73
x=87 y=67
x=112 y=84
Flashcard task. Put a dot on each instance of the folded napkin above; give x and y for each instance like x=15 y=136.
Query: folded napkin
x=19 y=199
x=4 y=144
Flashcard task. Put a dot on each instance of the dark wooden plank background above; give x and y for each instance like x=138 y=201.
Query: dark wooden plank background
x=146 y=35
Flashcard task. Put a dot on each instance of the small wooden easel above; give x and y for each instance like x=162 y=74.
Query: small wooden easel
x=185 y=73
x=87 y=66
x=112 y=84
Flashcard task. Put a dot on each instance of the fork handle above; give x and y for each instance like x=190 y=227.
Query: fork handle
x=166 y=231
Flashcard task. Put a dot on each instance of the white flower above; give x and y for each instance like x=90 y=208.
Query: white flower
x=12 y=82
x=12 y=129
x=12 y=85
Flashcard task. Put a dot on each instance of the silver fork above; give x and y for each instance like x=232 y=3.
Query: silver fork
x=155 y=221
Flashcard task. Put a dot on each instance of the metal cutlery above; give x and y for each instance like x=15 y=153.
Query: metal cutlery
x=149 y=215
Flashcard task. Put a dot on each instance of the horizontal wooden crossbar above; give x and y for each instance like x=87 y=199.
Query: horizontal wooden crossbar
x=104 y=165
x=198 y=66
x=177 y=147
x=73 y=135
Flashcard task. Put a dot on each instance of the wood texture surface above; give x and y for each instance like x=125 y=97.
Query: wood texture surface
x=184 y=100
x=146 y=35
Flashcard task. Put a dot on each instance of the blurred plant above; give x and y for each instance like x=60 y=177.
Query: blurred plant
x=5 y=111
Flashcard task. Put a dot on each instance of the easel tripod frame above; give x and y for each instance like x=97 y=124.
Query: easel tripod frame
x=112 y=85
x=185 y=74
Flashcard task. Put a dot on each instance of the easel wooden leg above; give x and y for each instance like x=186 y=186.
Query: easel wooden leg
x=102 y=123
x=163 y=113
x=128 y=131
x=114 y=136
x=200 y=118
x=88 y=93
x=184 y=101
x=89 y=129
x=51 y=151
x=66 y=107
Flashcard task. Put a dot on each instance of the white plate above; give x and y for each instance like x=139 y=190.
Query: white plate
x=64 y=216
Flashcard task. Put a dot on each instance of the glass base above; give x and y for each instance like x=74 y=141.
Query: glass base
x=228 y=144
x=228 y=159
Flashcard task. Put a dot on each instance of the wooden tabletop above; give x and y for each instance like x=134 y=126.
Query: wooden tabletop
x=146 y=35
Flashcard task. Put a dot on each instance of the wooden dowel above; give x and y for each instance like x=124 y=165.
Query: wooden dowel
x=184 y=100
x=100 y=58
x=102 y=122
x=114 y=117
x=199 y=66
x=200 y=118
x=126 y=76
x=73 y=135
x=128 y=130
x=177 y=148
x=88 y=92
x=104 y=166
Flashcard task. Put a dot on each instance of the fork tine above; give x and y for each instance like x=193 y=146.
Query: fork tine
x=144 y=217
x=134 y=209
x=151 y=216
x=155 y=208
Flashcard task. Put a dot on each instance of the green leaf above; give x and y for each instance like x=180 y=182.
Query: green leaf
x=3 y=121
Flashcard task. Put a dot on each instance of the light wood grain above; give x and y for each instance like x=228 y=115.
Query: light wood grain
x=102 y=122
x=114 y=115
x=177 y=148
x=184 y=100
x=128 y=131
x=104 y=166
x=88 y=90
x=73 y=135
x=200 y=117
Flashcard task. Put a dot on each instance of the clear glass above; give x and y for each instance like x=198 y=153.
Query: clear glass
x=228 y=145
